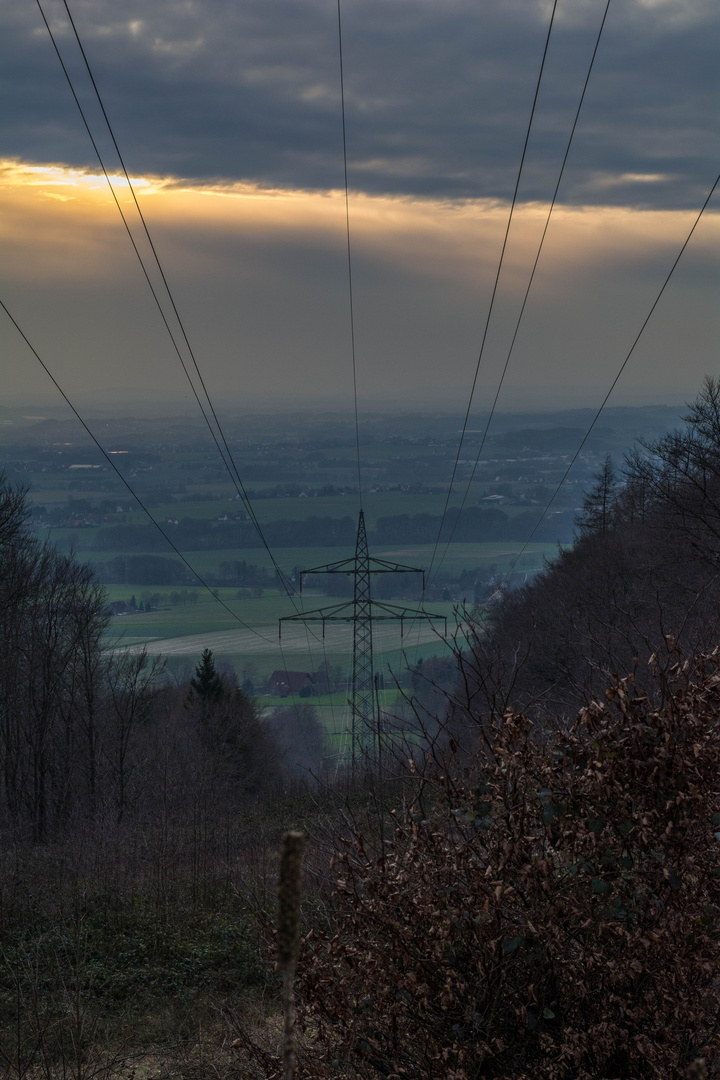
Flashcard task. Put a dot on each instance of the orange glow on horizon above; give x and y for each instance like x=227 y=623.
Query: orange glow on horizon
x=52 y=207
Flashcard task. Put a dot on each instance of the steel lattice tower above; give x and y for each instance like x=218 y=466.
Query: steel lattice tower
x=363 y=683
x=362 y=612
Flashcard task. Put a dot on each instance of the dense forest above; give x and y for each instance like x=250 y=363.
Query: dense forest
x=521 y=879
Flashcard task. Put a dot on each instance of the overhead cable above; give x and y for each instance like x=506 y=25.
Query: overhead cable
x=128 y=230
x=615 y=381
x=349 y=256
x=117 y=472
x=494 y=290
x=227 y=457
x=525 y=298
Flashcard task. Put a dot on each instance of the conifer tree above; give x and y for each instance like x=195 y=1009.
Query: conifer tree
x=207 y=684
x=597 y=508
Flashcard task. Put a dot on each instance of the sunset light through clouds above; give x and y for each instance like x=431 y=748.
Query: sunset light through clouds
x=228 y=118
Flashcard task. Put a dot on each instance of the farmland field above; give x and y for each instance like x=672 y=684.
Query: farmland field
x=256 y=646
x=458 y=557
x=295 y=468
x=209 y=616
x=298 y=468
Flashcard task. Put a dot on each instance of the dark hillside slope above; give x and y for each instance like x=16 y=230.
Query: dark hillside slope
x=642 y=580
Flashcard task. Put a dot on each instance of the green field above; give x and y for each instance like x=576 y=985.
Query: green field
x=253 y=645
x=458 y=557
x=247 y=634
x=242 y=629
x=255 y=651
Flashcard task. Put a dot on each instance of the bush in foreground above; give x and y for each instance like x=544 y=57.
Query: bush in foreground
x=547 y=908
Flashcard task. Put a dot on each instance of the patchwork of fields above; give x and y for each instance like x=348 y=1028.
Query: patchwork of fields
x=247 y=636
x=301 y=472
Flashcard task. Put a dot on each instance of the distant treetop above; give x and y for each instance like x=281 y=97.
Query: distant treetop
x=207 y=684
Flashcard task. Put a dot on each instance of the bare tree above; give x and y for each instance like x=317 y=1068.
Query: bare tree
x=130 y=679
x=641 y=577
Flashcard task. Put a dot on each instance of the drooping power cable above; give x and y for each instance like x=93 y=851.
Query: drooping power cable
x=225 y=454
x=525 y=298
x=494 y=292
x=117 y=472
x=120 y=210
x=615 y=381
x=349 y=256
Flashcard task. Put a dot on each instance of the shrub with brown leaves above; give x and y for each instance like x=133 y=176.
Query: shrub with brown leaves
x=552 y=914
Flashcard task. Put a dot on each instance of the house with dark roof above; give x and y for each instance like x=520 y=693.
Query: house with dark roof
x=118 y=607
x=283 y=683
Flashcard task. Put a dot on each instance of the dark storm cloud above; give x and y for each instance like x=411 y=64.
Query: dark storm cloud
x=438 y=94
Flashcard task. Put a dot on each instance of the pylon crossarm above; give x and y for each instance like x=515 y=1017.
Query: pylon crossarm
x=377 y=566
x=382 y=566
x=321 y=615
x=318 y=613
x=391 y=612
x=342 y=566
x=395 y=611
x=405 y=615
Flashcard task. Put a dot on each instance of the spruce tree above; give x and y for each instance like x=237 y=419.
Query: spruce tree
x=207 y=684
x=598 y=503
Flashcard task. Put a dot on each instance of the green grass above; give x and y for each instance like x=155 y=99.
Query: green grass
x=188 y=629
x=337 y=700
x=188 y=626
x=204 y=617
x=183 y=633
x=226 y=593
x=458 y=556
x=469 y=556
x=211 y=617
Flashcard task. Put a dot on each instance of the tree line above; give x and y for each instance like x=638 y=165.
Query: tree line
x=542 y=897
x=160 y=570
x=92 y=734
x=527 y=885
x=535 y=904
x=639 y=583
x=471 y=525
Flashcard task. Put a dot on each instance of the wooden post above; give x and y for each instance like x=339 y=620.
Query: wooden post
x=289 y=893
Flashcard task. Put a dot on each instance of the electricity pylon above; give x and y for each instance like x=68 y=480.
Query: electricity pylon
x=362 y=611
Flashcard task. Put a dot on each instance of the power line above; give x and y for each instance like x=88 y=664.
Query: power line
x=127 y=484
x=150 y=242
x=349 y=257
x=527 y=292
x=228 y=461
x=239 y=484
x=128 y=230
x=492 y=300
x=494 y=290
x=615 y=381
x=236 y=479
x=231 y=467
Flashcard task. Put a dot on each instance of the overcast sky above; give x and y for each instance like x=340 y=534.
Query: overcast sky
x=227 y=113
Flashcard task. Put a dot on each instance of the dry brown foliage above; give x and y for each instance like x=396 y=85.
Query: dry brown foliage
x=545 y=909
